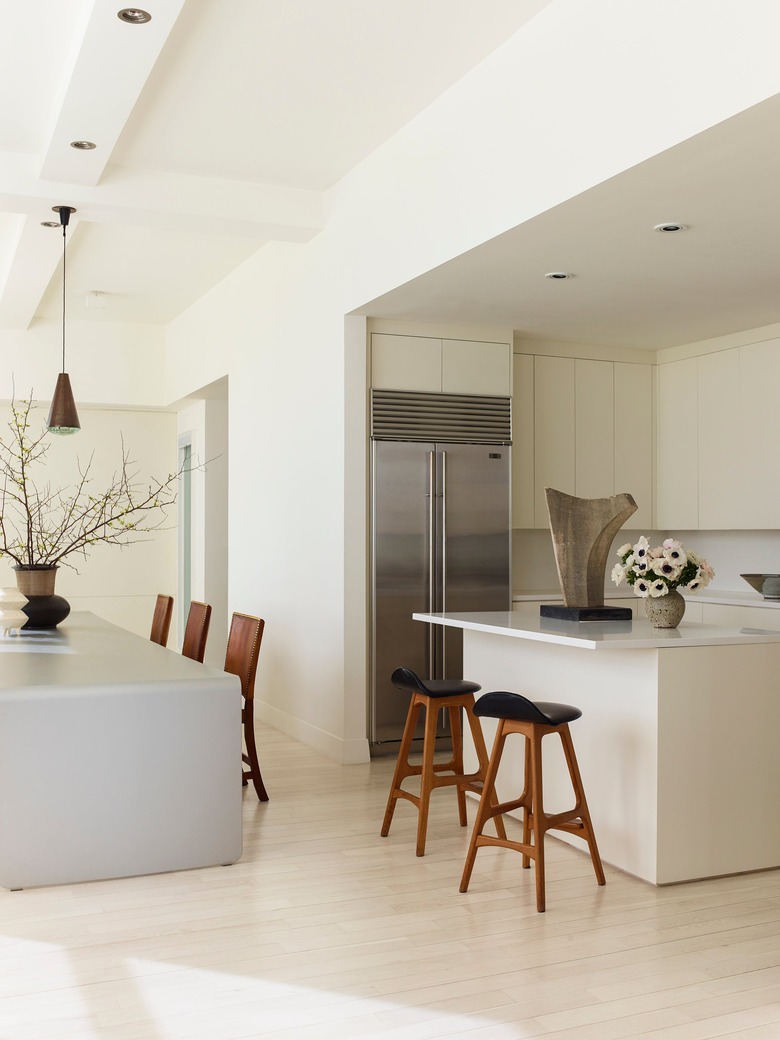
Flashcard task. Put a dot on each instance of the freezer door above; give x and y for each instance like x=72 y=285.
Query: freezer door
x=475 y=545
x=401 y=576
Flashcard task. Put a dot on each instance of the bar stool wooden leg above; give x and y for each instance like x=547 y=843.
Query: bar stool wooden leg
x=402 y=768
x=582 y=804
x=525 y=798
x=538 y=819
x=456 y=730
x=428 y=778
x=482 y=757
x=486 y=808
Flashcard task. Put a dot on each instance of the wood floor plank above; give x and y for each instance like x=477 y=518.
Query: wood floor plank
x=323 y=929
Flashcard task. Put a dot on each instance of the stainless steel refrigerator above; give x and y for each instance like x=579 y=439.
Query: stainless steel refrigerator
x=440 y=542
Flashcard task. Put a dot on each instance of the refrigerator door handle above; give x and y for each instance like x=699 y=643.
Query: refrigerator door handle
x=431 y=555
x=443 y=559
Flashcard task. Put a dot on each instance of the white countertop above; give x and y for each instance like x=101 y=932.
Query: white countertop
x=85 y=650
x=748 y=598
x=638 y=634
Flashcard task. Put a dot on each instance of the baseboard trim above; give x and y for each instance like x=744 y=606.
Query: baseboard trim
x=348 y=752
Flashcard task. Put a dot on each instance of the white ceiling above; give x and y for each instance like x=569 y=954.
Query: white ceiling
x=219 y=124
x=633 y=286
x=217 y=119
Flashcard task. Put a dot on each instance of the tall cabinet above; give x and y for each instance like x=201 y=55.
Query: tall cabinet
x=588 y=431
x=718 y=426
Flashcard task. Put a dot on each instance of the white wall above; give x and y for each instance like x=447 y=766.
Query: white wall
x=118 y=584
x=204 y=422
x=109 y=363
x=585 y=91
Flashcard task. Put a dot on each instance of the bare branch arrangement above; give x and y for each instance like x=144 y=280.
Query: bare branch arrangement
x=41 y=526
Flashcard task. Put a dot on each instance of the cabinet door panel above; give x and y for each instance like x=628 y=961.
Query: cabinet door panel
x=594 y=441
x=634 y=439
x=523 y=442
x=721 y=463
x=554 y=431
x=476 y=368
x=405 y=363
x=677 y=487
x=759 y=420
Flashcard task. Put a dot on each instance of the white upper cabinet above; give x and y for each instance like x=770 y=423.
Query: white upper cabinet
x=718 y=425
x=677 y=485
x=554 y=431
x=592 y=433
x=523 y=441
x=721 y=484
x=451 y=366
x=406 y=363
x=759 y=421
x=468 y=367
x=594 y=439
x=634 y=439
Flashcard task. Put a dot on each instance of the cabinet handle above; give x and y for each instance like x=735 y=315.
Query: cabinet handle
x=431 y=551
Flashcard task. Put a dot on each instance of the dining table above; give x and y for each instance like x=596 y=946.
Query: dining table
x=118 y=757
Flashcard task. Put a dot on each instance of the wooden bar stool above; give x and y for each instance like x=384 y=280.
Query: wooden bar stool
x=516 y=714
x=433 y=695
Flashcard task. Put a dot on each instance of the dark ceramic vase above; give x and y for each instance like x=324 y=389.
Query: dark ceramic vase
x=43 y=608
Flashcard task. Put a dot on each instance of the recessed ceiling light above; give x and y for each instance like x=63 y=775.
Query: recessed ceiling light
x=670 y=228
x=83 y=146
x=133 y=16
x=50 y=223
x=558 y=276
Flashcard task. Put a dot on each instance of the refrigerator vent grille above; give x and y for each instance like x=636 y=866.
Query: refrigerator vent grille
x=462 y=418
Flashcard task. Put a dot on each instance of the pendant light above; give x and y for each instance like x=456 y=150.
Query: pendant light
x=63 y=417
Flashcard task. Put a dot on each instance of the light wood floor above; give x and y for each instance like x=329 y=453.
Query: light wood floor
x=326 y=930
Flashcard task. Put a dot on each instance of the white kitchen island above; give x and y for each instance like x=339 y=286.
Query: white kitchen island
x=117 y=757
x=678 y=742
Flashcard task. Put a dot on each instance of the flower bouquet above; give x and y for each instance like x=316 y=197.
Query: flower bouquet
x=656 y=572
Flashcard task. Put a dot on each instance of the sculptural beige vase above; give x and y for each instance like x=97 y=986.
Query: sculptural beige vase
x=665 y=611
x=12 y=617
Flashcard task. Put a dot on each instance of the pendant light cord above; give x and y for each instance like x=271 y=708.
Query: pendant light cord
x=64 y=232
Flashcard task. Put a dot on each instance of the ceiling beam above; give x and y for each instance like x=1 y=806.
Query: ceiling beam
x=103 y=80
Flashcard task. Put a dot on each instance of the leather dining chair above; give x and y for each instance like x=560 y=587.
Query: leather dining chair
x=161 y=620
x=243 y=647
x=196 y=631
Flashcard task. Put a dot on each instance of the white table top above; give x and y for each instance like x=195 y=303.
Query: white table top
x=86 y=650
x=638 y=634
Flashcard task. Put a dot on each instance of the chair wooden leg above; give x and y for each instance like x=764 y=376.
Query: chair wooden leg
x=428 y=775
x=456 y=732
x=402 y=767
x=527 y=799
x=581 y=803
x=253 y=773
x=486 y=803
x=537 y=815
x=482 y=757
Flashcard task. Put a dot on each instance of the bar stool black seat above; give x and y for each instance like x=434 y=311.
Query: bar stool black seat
x=435 y=695
x=534 y=720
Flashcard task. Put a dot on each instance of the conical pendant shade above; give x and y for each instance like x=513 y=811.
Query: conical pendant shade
x=63 y=417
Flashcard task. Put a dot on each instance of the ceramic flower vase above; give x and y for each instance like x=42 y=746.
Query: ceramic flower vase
x=665 y=611
x=44 y=609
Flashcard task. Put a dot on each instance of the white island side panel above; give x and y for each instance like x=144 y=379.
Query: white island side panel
x=616 y=739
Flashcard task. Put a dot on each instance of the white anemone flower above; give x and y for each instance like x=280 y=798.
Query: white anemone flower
x=641 y=548
x=665 y=568
x=694 y=584
x=658 y=588
x=642 y=588
x=640 y=566
x=618 y=573
x=625 y=549
x=676 y=555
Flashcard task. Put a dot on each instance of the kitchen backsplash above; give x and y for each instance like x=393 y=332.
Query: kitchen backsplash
x=731 y=553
